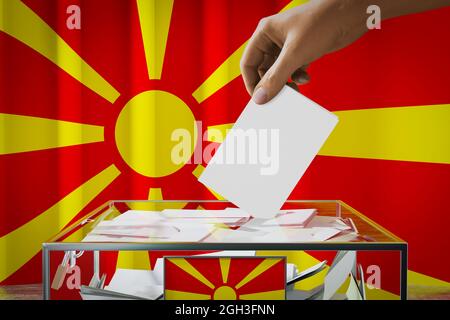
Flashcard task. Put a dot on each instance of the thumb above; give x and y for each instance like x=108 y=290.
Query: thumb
x=275 y=78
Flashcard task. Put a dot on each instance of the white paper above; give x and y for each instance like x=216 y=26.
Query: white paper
x=291 y=218
x=304 y=295
x=140 y=283
x=312 y=270
x=234 y=235
x=345 y=237
x=353 y=292
x=136 y=230
x=338 y=273
x=362 y=284
x=192 y=233
x=186 y=232
x=327 y=221
x=291 y=271
x=262 y=187
x=158 y=272
x=283 y=234
x=270 y=234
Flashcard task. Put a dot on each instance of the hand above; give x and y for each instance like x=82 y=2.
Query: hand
x=284 y=44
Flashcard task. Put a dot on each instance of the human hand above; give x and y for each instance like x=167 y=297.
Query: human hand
x=284 y=44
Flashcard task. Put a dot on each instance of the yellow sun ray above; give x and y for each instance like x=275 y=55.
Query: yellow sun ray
x=267 y=295
x=154 y=18
x=181 y=295
x=137 y=259
x=379 y=294
x=218 y=132
x=155 y=194
x=24 y=133
x=261 y=268
x=197 y=172
x=224 y=74
x=78 y=235
x=229 y=69
x=293 y=4
x=21 y=244
x=184 y=265
x=302 y=261
x=224 y=268
x=20 y=22
x=418 y=133
x=419 y=279
x=83 y=231
x=133 y=260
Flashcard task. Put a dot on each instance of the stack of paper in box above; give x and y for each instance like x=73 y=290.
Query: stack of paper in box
x=168 y=225
x=228 y=225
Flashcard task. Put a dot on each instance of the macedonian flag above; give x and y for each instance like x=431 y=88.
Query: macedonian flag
x=224 y=278
x=87 y=110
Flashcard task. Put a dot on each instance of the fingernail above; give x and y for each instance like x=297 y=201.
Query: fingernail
x=260 y=96
x=302 y=79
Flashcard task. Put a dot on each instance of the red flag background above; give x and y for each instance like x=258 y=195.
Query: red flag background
x=62 y=92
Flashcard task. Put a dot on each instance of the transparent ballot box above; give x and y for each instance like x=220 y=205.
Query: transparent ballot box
x=122 y=244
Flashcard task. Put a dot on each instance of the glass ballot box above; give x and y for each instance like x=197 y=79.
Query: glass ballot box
x=127 y=249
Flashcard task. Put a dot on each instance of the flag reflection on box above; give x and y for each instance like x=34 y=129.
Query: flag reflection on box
x=224 y=278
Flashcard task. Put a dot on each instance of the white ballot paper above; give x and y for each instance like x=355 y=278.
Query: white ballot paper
x=297 y=217
x=140 y=283
x=353 y=292
x=339 y=271
x=267 y=152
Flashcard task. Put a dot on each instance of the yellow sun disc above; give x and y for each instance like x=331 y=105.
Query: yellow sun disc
x=225 y=293
x=156 y=133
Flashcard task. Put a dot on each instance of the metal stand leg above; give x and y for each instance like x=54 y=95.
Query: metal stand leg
x=404 y=273
x=46 y=273
x=96 y=255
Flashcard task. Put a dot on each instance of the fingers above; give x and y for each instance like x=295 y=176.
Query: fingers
x=251 y=59
x=301 y=76
x=258 y=48
x=265 y=68
x=267 y=63
x=293 y=86
x=276 y=77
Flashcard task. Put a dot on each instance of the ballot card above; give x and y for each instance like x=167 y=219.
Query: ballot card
x=267 y=151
